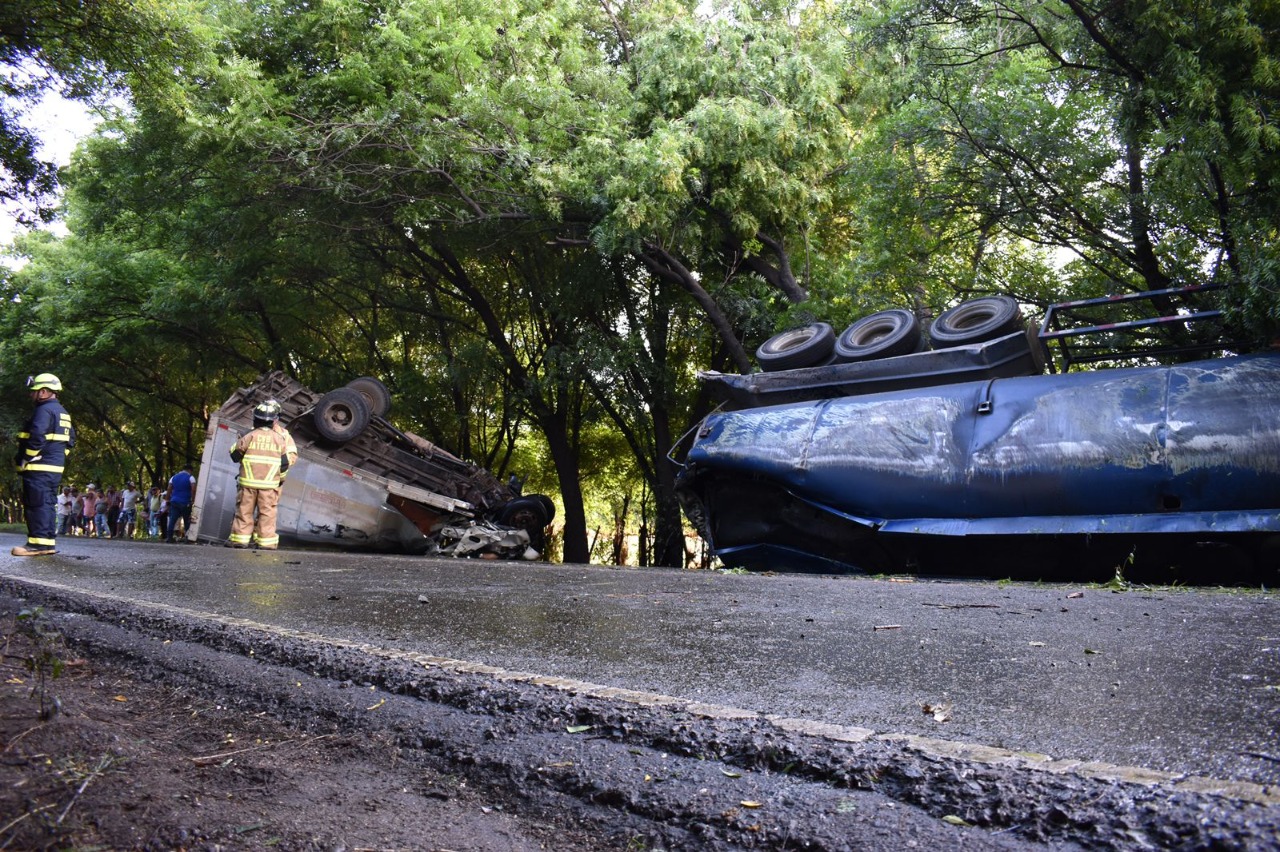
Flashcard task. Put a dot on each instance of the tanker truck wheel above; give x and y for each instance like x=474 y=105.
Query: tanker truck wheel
x=807 y=346
x=374 y=392
x=341 y=415
x=976 y=321
x=881 y=335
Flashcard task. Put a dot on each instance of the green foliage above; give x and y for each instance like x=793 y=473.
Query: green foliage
x=1140 y=138
x=535 y=221
x=721 y=174
x=84 y=50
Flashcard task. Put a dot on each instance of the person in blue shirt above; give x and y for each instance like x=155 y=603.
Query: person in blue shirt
x=182 y=491
x=43 y=445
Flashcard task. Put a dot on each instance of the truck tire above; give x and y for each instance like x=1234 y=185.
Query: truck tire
x=976 y=321
x=375 y=393
x=881 y=335
x=547 y=505
x=799 y=347
x=529 y=514
x=341 y=415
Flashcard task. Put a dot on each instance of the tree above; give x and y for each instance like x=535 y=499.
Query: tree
x=1140 y=137
x=83 y=50
x=724 y=170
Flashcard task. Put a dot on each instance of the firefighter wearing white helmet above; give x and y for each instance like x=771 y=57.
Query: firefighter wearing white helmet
x=43 y=444
x=263 y=458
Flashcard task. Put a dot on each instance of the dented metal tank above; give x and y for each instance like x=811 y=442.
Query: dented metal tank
x=1135 y=459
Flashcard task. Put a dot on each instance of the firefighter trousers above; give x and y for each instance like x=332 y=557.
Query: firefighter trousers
x=40 y=501
x=262 y=503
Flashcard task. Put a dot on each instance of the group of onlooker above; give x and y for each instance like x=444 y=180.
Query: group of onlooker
x=128 y=513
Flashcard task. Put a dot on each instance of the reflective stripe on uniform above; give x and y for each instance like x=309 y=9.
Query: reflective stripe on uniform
x=46 y=439
x=44 y=542
x=260 y=464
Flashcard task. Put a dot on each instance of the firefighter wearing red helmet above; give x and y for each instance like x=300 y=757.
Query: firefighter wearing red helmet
x=263 y=457
x=43 y=444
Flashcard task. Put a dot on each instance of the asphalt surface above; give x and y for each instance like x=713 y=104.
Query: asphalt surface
x=1178 y=681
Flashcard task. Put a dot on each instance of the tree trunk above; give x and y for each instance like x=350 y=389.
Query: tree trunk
x=565 y=459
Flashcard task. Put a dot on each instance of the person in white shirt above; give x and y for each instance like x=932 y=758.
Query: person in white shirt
x=64 y=509
x=128 y=519
x=156 y=520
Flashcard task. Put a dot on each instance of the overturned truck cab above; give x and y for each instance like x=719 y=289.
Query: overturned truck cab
x=361 y=483
x=934 y=459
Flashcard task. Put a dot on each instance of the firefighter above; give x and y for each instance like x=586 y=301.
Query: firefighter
x=263 y=458
x=43 y=445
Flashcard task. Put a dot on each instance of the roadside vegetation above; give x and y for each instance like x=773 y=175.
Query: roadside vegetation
x=536 y=221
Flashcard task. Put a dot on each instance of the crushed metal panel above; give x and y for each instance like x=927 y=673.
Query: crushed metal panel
x=1080 y=443
x=1244 y=421
x=322 y=504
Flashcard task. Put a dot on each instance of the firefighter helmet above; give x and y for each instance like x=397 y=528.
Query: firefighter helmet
x=44 y=381
x=266 y=412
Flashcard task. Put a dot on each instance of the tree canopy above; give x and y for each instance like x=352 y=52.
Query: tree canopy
x=87 y=51
x=535 y=221
x=1138 y=139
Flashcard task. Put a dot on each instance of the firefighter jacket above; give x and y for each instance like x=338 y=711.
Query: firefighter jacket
x=263 y=458
x=290 y=447
x=45 y=439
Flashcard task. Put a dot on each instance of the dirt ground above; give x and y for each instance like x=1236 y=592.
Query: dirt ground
x=176 y=734
x=129 y=764
x=210 y=751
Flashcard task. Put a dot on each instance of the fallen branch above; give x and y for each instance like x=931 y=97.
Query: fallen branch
x=103 y=764
x=11 y=742
x=208 y=759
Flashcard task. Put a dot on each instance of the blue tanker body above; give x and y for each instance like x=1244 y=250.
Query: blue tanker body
x=1114 y=460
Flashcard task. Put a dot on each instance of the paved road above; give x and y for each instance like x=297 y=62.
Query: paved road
x=1183 y=681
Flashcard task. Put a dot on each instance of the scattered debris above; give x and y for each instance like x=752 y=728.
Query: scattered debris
x=480 y=538
x=939 y=712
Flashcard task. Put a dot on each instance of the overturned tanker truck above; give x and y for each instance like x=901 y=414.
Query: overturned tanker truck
x=361 y=483
x=875 y=452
